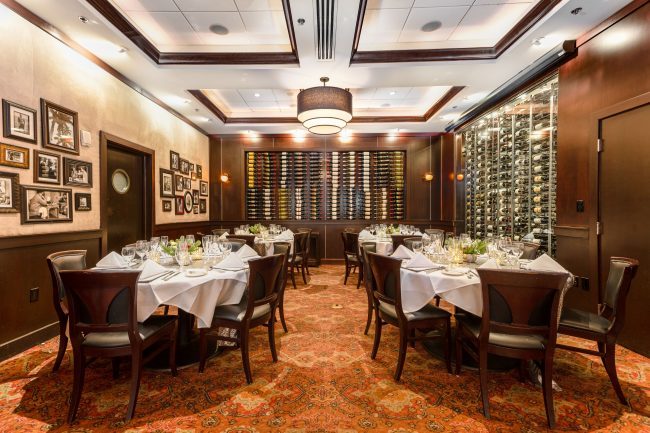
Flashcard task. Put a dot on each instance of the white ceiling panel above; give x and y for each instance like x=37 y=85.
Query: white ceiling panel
x=489 y=22
x=262 y=105
x=147 y=5
x=389 y=4
x=449 y=17
x=444 y=3
x=266 y=27
x=257 y=95
x=392 y=93
x=492 y=2
x=259 y=5
x=201 y=22
x=282 y=95
x=206 y=5
x=165 y=28
x=383 y=25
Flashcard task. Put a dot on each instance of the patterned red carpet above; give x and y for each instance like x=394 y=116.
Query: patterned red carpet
x=324 y=381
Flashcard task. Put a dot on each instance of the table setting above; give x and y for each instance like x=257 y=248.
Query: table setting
x=266 y=236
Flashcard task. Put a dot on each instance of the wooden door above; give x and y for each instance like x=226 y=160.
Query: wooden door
x=624 y=212
x=126 y=215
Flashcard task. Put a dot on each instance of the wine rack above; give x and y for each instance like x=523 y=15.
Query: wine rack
x=364 y=185
x=284 y=185
x=509 y=157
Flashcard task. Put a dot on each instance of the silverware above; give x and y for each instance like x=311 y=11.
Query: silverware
x=162 y=274
x=170 y=276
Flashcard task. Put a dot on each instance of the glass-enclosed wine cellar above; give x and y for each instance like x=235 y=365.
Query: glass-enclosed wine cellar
x=509 y=157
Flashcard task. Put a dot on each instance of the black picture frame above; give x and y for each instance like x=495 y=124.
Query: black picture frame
x=193 y=175
x=9 y=156
x=166 y=180
x=199 y=171
x=77 y=177
x=9 y=192
x=187 y=183
x=203 y=206
x=179 y=205
x=166 y=205
x=195 y=209
x=195 y=196
x=187 y=198
x=179 y=183
x=203 y=188
x=47 y=174
x=18 y=122
x=55 y=207
x=184 y=166
x=174 y=161
x=60 y=128
x=82 y=202
x=191 y=166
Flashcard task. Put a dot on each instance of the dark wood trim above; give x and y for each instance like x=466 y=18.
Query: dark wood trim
x=47 y=239
x=108 y=11
x=581 y=232
x=618 y=16
x=150 y=166
x=359 y=135
x=450 y=54
x=31 y=339
x=65 y=39
x=436 y=107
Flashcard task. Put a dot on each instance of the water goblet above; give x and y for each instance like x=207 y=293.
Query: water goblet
x=128 y=253
x=141 y=248
x=417 y=246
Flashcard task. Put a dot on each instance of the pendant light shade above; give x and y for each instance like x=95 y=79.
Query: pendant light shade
x=324 y=110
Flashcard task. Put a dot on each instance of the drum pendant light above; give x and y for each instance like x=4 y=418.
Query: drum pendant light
x=324 y=110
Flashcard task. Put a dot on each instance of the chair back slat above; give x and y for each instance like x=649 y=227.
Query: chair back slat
x=236 y=244
x=622 y=271
x=263 y=281
x=307 y=248
x=350 y=243
x=101 y=301
x=520 y=302
x=248 y=239
x=399 y=240
x=283 y=248
x=299 y=244
x=71 y=260
x=530 y=251
x=387 y=283
x=368 y=247
x=408 y=242
x=219 y=232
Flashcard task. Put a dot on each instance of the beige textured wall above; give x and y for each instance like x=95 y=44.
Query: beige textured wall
x=34 y=65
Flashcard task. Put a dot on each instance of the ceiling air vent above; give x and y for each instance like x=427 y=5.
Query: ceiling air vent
x=325 y=14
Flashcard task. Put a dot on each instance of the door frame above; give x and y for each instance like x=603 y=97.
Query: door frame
x=149 y=156
x=596 y=271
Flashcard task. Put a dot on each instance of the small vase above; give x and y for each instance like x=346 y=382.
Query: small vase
x=470 y=258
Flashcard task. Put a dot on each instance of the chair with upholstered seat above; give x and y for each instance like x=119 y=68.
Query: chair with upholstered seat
x=72 y=260
x=283 y=248
x=219 y=232
x=351 y=256
x=257 y=308
x=519 y=320
x=236 y=244
x=530 y=251
x=307 y=248
x=248 y=239
x=399 y=240
x=604 y=327
x=103 y=323
x=389 y=311
x=408 y=242
x=368 y=247
x=297 y=258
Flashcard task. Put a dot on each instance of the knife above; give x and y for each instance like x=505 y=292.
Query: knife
x=150 y=279
x=170 y=276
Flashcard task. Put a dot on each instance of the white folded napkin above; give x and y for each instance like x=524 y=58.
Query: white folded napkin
x=150 y=270
x=112 y=261
x=490 y=264
x=365 y=234
x=403 y=253
x=224 y=236
x=232 y=261
x=545 y=263
x=246 y=252
x=426 y=237
x=286 y=235
x=419 y=261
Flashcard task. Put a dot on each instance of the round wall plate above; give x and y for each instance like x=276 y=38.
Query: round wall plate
x=189 y=203
x=121 y=181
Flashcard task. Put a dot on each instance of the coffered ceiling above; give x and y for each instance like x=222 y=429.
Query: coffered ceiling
x=401 y=76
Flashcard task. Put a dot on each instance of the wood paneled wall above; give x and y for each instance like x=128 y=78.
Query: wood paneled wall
x=428 y=204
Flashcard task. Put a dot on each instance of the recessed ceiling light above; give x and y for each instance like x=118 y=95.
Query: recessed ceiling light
x=538 y=41
x=257 y=95
x=122 y=50
x=218 y=29
x=83 y=19
x=385 y=105
x=576 y=11
x=431 y=26
x=392 y=92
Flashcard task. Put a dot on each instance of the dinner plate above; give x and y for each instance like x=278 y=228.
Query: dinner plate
x=455 y=272
x=197 y=272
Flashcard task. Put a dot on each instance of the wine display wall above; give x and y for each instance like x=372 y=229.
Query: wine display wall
x=509 y=157
x=284 y=185
x=365 y=185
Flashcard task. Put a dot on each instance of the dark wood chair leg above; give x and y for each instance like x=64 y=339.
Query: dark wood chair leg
x=172 y=351
x=302 y=271
x=63 y=344
x=483 y=375
x=293 y=276
x=547 y=388
x=523 y=363
x=609 y=361
x=271 y=326
x=281 y=308
x=166 y=310
x=203 y=349
x=347 y=273
x=136 y=370
x=79 y=366
x=412 y=338
x=448 y=345
x=360 y=279
x=243 y=342
x=116 y=367
x=401 y=357
x=437 y=298
x=375 y=344
x=369 y=320
x=459 y=350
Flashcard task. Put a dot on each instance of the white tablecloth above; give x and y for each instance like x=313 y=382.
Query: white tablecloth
x=196 y=295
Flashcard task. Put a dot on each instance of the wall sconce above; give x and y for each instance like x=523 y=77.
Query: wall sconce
x=225 y=178
x=428 y=177
x=460 y=177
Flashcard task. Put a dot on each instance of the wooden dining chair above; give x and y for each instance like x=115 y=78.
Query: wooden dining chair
x=307 y=248
x=351 y=255
x=519 y=320
x=297 y=258
x=436 y=232
x=351 y=230
x=368 y=247
x=236 y=244
x=248 y=239
x=219 y=232
x=408 y=242
x=389 y=311
x=257 y=308
x=283 y=248
x=530 y=251
x=103 y=323
x=71 y=260
x=399 y=240
x=604 y=327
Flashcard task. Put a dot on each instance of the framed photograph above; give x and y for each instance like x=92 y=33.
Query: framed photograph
x=81 y=202
x=60 y=128
x=199 y=171
x=166 y=183
x=19 y=122
x=174 y=161
x=41 y=204
x=191 y=166
x=179 y=183
x=203 y=206
x=14 y=156
x=203 y=188
x=9 y=193
x=180 y=205
x=187 y=183
x=188 y=202
x=195 y=196
x=47 y=167
x=167 y=205
x=196 y=209
x=193 y=175
x=184 y=166
x=77 y=173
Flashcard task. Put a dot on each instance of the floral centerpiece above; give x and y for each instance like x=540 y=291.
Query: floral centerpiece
x=171 y=246
x=392 y=230
x=256 y=229
x=474 y=249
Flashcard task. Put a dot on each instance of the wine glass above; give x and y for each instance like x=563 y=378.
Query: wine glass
x=128 y=253
x=164 y=240
x=182 y=257
x=417 y=247
x=226 y=248
x=141 y=248
x=189 y=240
